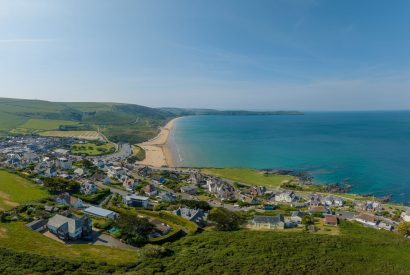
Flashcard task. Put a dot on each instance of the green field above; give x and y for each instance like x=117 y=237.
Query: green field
x=15 y=190
x=248 y=176
x=92 y=149
x=19 y=238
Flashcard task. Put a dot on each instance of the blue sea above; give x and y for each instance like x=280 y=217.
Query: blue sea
x=369 y=149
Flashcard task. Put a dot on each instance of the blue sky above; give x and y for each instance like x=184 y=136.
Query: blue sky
x=274 y=54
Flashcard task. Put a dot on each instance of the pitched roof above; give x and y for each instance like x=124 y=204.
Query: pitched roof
x=268 y=219
x=59 y=220
x=330 y=219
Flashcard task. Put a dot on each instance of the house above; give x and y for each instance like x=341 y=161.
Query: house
x=100 y=212
x=150 y=190
x=366 y=219
x=50 y=172
x=385 y=226
x=79 y=172
x=66 y=199
x=88 y=188
x=69 y=228
x=161 y=227
x=330 y=220
x=195 y=215
x=322 y=210
x=129 y=184
x=189 y=189
x=167 y=196
x=136 y=201
x=64 y=163
x=406 y=215
x=297 y=217
x=286 y=196
x=315 y=200
x=371 y=206
x=333 y=201
x=268 y=222
x=345 y=215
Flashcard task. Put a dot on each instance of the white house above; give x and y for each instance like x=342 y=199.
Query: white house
x=64 y=163
x=366 y=219
x=100 y=212
x=286 y=196
x=136 y=201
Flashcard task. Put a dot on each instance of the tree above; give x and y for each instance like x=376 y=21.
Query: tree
x=308 y=220
x=56 y=185
x=134 y=229
x=225 y=220
x=404 y=228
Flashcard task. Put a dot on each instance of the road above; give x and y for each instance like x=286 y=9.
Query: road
x=124 y=151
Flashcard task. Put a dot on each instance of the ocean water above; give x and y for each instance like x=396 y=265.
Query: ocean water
x=369 y=149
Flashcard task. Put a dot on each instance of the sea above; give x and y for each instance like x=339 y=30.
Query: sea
x=369 y=150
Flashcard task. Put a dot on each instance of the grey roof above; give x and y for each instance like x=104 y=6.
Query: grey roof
x=58 y=220
x=298 y=214
x=135 y=197
x=97 y=211
x=269 y=219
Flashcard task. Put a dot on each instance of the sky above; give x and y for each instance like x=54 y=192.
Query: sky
x=224 y=54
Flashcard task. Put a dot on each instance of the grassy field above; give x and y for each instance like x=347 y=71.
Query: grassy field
x=46 y=124
x=88 y=135
x=248 y=176
x=15 y=190
x=17 y=237
x=92 y=149
x=138 y=152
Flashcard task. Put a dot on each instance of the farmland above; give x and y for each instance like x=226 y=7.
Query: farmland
x=15 y=190
x=88 y=135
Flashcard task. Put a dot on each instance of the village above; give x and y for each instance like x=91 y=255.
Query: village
x=111 y=200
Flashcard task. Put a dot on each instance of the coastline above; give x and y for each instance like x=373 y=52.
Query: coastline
x=158 y=151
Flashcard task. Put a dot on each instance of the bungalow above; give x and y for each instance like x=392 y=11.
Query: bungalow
x=286 y=196
x=195 y=215
x=69 y=228
x=189 y=189
x=297 y=217
x=167 y=196
x=385 y=226
x=100 y=212
x=88 y=188
x=315 y=200
x=268 y=222
x=136 y=201
x=366 y=219
x=330 y=220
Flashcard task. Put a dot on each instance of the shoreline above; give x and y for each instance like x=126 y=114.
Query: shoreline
x=157 y=150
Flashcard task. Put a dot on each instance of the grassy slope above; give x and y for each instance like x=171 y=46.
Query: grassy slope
x=357 y=250
x=46 y=124
x=15 y=190
x=248 y=176
x=17 y=237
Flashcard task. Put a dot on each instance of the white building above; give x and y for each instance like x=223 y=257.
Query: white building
x=100 y=212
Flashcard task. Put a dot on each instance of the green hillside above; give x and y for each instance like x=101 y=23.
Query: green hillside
x=119 y=122
x=357 y=250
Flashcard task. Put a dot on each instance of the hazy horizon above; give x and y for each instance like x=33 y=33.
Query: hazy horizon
x=307 y=55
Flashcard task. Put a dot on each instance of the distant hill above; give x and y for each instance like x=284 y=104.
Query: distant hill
x=187 y=112
x=117 y=121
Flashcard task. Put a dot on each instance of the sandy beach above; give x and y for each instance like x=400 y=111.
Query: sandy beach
x=157 y=150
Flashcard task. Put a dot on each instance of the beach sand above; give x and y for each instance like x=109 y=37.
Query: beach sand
x=157 y=150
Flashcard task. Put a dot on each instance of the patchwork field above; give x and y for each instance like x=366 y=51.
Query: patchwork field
x=88 y=135
x=17 y=237
x=15 y=190
x=92 y=149
x=248 y=176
